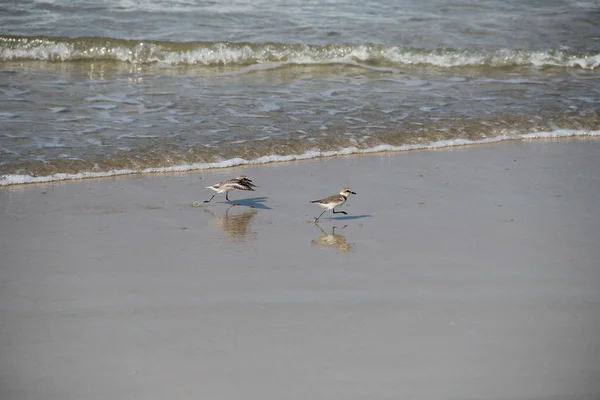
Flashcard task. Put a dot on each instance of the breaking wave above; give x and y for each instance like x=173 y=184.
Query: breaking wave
x=63 y=49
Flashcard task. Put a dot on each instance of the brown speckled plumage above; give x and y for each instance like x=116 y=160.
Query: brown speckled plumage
x=238 y=183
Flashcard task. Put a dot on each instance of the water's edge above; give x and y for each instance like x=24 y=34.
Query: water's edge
x=14 y=179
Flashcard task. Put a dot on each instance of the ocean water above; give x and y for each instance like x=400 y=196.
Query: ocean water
x=94 y=88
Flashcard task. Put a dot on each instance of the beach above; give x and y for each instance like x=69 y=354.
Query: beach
x=462 y=273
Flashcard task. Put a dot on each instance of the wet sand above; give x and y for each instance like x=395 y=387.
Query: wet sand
x=466 y=273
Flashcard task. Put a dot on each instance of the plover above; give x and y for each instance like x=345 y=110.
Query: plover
x=331 y=202
x=238 y=183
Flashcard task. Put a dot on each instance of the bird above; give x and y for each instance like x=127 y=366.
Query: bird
x=237 y=183
x=331 y=202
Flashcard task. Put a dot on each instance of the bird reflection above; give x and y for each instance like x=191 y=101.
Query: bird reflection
x=333 y=239
x=236 y=225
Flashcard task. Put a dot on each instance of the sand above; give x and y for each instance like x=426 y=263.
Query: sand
x=466 y=273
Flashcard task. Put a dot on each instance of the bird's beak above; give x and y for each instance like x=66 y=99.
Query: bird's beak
x=353 y=192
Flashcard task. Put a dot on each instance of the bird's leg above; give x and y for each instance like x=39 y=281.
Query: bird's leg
x=316 y=219
x=208 y=201
x=339 y=212
x=227 y=196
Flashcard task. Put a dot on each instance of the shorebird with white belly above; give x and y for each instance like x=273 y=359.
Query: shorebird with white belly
x=331 y=202
x=238 y=183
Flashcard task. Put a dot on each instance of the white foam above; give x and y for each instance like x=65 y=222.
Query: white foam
x=10 y=179
x=275 y=55
x=56 y=110
x=8 y=115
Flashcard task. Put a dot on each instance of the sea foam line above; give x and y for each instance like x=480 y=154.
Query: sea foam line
x=62 y=49
x=10 y=179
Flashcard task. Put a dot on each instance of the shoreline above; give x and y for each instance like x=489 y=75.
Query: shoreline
x=16 y=179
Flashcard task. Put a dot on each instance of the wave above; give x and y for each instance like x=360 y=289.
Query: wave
x=63 y=49
x=15 y=179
